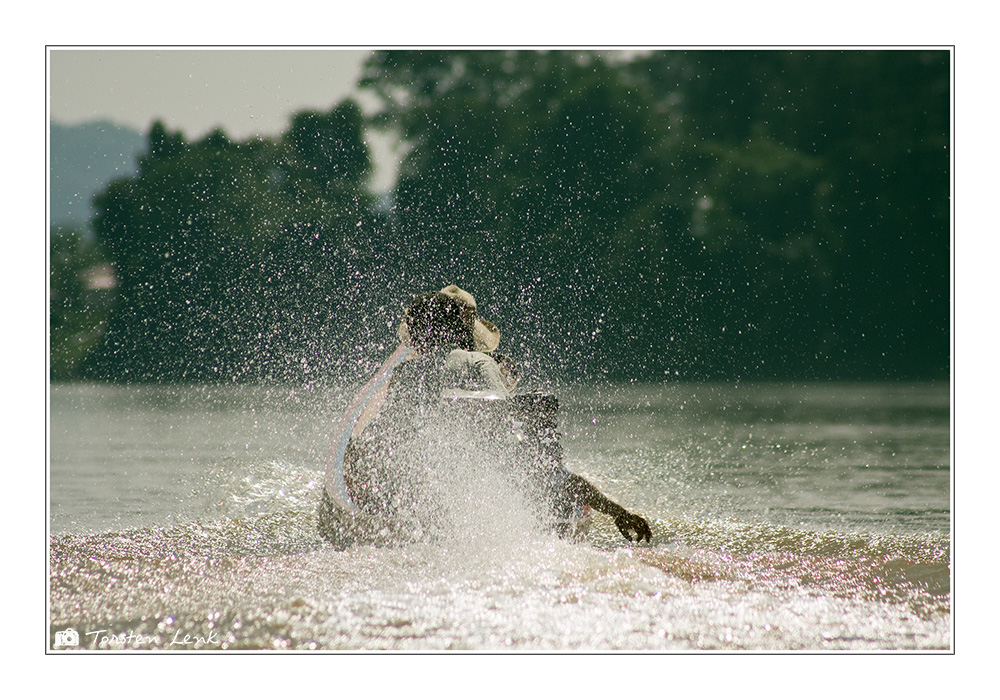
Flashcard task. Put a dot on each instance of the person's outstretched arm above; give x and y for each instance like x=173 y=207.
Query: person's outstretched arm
x=583 y=491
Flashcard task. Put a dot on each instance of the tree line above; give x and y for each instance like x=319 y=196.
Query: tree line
x=650 y=215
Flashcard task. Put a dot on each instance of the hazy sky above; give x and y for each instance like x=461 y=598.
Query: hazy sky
x=244 y=91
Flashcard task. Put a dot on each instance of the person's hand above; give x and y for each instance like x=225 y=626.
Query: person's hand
x=627 y=522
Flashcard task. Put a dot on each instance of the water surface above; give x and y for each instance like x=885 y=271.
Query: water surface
x=785 y=517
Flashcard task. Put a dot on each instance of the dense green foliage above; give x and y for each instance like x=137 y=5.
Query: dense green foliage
x=78 y=303
x=230 y=256
x=733 y=214
x=712 y=214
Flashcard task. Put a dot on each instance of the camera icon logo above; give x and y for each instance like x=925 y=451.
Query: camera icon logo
x=68 y=638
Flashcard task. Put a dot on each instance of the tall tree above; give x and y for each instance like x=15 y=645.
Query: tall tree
x=229 y=255
x=524 y=176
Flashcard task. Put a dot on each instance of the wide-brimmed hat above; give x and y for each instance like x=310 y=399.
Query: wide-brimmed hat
x=484 y=333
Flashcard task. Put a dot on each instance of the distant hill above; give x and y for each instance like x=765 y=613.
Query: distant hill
x=83 y=160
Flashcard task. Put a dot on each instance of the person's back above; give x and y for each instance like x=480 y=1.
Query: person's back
x=420 y=383
x=389 y=464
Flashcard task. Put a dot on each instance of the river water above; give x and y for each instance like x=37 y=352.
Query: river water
x=785 y=517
